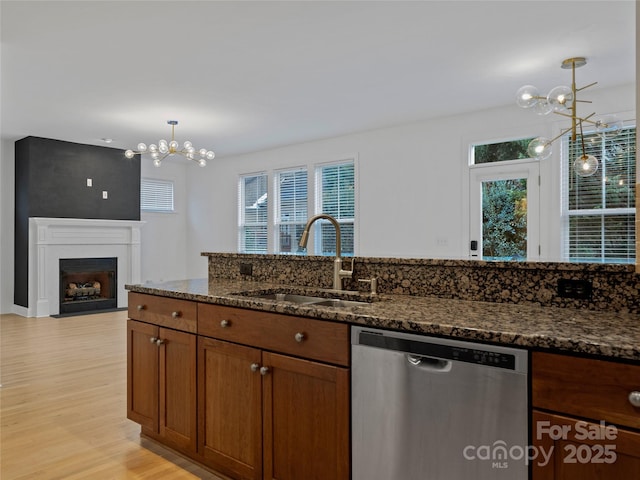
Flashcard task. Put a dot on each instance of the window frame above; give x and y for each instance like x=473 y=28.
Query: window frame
x=242 y=222
x=603 y=213
x=158 y=208
x=277 y=221
x=317 y=246
x=273 y=222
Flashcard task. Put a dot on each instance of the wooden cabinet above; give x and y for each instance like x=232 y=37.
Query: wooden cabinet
x=252 y=395
x=271 y=415
x=161 y=379
x=230 y=408
x=306 y=419
x=583 y=419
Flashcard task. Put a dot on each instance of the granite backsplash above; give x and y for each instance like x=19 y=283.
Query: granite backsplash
x=615 y=288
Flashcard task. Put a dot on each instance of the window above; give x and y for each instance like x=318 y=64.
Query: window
x=599 y=210
x=253 y=203
x=500 y=151
x=335 y=195
x=331 y=190
x=156 y=195
x=291 y=208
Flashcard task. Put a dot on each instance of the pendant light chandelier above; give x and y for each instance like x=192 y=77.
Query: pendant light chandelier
x=562 y=100
x=166 y=149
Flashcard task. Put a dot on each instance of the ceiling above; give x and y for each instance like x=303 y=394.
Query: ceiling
x=243 y=76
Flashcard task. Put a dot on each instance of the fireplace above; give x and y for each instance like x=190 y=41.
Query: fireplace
x=88 y=284
x=54 y=239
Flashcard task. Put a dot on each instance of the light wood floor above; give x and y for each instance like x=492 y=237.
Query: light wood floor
x=63 y=404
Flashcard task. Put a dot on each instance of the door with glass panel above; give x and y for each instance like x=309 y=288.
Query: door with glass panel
x=504 y=212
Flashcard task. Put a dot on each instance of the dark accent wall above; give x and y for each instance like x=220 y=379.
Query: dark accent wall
x=51 y=181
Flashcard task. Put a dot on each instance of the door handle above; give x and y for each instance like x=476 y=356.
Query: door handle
x=429 y=363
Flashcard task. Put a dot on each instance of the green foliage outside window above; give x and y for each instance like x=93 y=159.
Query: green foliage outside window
x=504 y=220
x=501 y=152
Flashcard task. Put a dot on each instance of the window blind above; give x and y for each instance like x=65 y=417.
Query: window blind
x=156 y=195
x=600 y=209
x=336 y=197
x=253 y=204
x=291 y=210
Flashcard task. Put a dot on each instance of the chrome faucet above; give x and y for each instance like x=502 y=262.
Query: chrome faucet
x=338 y=272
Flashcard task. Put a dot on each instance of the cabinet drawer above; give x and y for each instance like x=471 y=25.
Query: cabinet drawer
x=590 y=388
x=304 y=337
x=163 y=311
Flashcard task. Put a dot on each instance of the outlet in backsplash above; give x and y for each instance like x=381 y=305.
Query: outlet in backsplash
x=613 y=287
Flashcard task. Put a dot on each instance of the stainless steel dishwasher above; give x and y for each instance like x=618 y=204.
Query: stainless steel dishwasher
x=428 y=408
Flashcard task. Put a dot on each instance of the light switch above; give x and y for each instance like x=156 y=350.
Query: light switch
x=105 y=194
x=89 y=182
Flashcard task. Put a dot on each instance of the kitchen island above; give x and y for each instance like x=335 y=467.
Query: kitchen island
x=256 y=387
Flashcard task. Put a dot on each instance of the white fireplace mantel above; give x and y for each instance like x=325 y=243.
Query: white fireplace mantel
x=51 y=239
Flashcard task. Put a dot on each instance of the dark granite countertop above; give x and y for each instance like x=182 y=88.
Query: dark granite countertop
x=608 y=334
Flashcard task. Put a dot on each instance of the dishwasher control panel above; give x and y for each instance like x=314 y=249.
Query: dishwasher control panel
x=478 y=356
x=483 y=357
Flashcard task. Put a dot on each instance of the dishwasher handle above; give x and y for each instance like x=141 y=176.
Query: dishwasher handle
x=429 y=363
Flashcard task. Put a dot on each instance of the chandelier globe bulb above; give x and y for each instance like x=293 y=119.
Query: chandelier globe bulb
x=560 y=98
x=609 y=126
x=585 y=165
x=527 y=96
x=539 y=148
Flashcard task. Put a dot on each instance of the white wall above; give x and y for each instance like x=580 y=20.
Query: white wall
x=413 y=200
x=164 y=235
x=7 y=202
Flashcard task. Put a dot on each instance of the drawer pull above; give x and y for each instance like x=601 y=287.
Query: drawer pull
x=176 y=314
x=300 y=337
x=634 y=398
x=159 y=342
x=225 y=323
x=264 y=371
x=255 y=367
x=153 y=340
x=141 y=307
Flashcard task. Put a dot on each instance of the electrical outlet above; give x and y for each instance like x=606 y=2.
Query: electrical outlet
x=89 y=182
x=246 y=269
x=105 y=194
x=570 y=288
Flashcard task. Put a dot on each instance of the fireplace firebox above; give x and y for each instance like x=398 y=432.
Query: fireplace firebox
x=88 y=284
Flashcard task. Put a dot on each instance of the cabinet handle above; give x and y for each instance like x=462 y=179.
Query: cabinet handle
x=153 y=340
x=225 y=323
x=159 y=342
x=176 y=314
x=634 y=398
x=264 y=371
x=141 y=307
x=300 y=337
x=255 y=367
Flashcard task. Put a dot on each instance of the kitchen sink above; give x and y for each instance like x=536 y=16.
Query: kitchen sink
x=300 y=299
x=337 y=302
x=288 y=297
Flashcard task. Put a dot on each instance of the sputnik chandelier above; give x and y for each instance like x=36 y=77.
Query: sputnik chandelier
x=165 y=149
x=562 y=100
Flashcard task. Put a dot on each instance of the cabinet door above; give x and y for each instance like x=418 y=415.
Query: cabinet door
x=142 y=374
x=306 y=420
x=573 y=457
x=229 y=408
x=177 y=409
